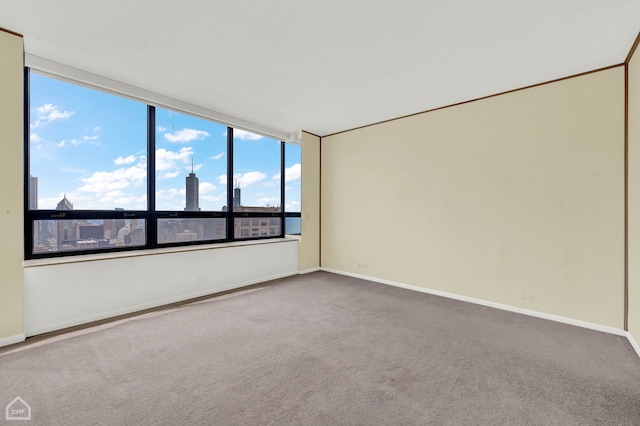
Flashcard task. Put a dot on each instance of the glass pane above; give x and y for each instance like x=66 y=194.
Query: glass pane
x=77 y=235
x=292 y=179
x=256 y=173
x=201 y=229
x=191 y=163
x=251 y=227
x=87 y=148
x=292 y=225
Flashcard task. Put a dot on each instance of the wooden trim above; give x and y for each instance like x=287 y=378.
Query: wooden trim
x=626 y=196
x=633 y=49
x=312 y=134
x=626 y=180
x=4 y=30
x=320 y=203
x=479 y=99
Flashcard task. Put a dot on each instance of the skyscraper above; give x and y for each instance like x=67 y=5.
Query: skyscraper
x=33 y=193
x=192 y=185
x=65 y=227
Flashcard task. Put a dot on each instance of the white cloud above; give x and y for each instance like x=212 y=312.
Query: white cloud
x=243 y=179
x=249 y=178
x=107 y=189
x=212 y=198
x=205 y=187
x=244 y=135
x=91 y=140
x=124 y=160
x=102 y=183
x=167 y=194
x=106 y=201
x=162 y=129
x=290 y=173
x=268 y=201
x=218 y=156
x=48 y=113
x=170 y=175
x=171 y=163
x=293 y=206
x=34 y=137
x=126 y=200
x=186 y=135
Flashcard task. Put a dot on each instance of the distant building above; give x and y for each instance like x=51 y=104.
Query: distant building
x=65 y=228
x=250 y=227
x=192 y=188
x=33 y=193
x=90 y=231
x=64 y=204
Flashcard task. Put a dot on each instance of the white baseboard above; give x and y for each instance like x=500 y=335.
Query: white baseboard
x=308 y=271
x=10 y=340
x=551 y=317
x=633 y=343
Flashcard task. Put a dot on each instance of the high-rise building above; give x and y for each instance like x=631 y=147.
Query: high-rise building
x=33 y=193
x=64 y=204
x=191 y=187
x=248 y=227
x=65 y=228
x=237 y=201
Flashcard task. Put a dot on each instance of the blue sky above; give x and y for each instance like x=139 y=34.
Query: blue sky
x=91 y=146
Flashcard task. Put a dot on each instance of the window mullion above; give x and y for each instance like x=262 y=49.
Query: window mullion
x=230 y=214
x=282 y=189
x=152 y=234
x=28 y=220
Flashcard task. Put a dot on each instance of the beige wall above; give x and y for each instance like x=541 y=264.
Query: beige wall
x=634 y=196
x=11 y=196
x=309 y=254
x=516 y=199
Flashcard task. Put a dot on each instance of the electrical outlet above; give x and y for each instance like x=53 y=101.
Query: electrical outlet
x=528 y=297
x=363 y=265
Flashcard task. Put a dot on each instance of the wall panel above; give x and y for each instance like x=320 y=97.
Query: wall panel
x=516 y=199
x=11 y=196
x=634 y=194
x=67 y=294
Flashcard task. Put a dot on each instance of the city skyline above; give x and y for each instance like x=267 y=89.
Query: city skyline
x=91 y=147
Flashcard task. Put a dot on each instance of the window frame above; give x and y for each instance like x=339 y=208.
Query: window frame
x=151 y=216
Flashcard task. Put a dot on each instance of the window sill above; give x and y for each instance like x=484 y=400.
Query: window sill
x=147 y=252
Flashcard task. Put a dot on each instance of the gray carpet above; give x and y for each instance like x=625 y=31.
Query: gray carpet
x=323 y=349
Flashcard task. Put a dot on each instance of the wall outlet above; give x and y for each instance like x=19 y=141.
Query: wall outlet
x=363 y=265
x=527 y=297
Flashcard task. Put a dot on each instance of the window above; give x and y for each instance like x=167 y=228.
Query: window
x=292 y=181
x=87 y=169
x=105 y=172
x=257 y=184
x=191 y=163
x=88 y=149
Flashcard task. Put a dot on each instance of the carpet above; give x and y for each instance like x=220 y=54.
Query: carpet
x=324 y=349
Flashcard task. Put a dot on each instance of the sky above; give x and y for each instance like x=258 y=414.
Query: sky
x=91 y=147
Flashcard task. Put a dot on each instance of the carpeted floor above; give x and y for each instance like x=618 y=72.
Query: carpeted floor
x=323 y=349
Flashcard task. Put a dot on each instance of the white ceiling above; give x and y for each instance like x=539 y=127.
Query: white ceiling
x=326 y=65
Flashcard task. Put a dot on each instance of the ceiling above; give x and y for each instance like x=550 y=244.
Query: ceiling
x=330 y=65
